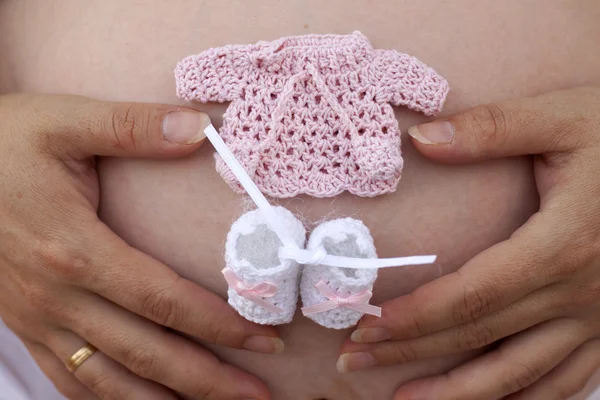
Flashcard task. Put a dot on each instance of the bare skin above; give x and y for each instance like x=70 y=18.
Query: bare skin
x=179 y=211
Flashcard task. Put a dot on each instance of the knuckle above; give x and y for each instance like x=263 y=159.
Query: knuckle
x=521 y=376
x=403 y=352
x=478 y=300
x=102 y=385
x=221 y=329
x=419 y=327
x=586 y=245
x=577 y=266
x=143 y=361
x=489 y=123
x=219 y=334
x=35 y=295
x=41 y=300
x=208 y=388
x=457 y=391
x=473 y=335
x=126 y=123
x=574 y=256
x=587 y=294
x=164 y=307
x=61 y=261
x=417 y=324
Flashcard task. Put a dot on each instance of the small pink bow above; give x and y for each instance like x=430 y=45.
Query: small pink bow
x=358 y=302
x=255 y=293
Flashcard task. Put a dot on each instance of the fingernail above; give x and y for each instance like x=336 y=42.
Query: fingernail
x=342 y=363
x=264 y=344
x=355 y=361
x=370 y=335
x=185 y=127
x=436 y=132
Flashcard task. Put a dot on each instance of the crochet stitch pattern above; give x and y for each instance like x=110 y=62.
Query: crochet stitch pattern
x=311 y=114
x=345 y=237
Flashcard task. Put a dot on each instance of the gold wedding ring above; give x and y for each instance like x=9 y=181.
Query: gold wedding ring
x=80 y=357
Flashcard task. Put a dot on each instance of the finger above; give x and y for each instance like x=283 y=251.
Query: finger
x=79 y=127
x=159 y=355
x=139 y=283
x=568 y=379
x=514 y=365
x=536 y=308
x=64 y=381
x=103 y=376
x=490 y=281
x=519 y=127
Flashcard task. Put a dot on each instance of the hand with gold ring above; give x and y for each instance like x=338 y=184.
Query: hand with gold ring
x=66 y=279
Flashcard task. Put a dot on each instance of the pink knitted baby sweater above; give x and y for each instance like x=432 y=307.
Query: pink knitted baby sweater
x=311 y=114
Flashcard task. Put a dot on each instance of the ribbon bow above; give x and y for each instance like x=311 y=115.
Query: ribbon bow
x=357 y=302
x=255 y=294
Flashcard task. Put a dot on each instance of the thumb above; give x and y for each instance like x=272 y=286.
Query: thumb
x=519 y=127
x=82 y=127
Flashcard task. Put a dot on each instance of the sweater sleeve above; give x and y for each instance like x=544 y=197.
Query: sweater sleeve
x=405 y=81
x=215 y=75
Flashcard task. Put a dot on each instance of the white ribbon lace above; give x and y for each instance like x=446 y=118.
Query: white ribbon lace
x=290 y=249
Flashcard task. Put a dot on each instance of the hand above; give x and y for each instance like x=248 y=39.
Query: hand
x=539 y=290
x=66 y=279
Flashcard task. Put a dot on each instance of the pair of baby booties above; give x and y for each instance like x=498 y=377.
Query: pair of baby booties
x=263 y=287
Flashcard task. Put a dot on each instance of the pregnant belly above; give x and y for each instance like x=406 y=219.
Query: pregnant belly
x=180 y=211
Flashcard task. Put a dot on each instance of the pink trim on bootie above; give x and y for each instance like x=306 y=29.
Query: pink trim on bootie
x=311 y=114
